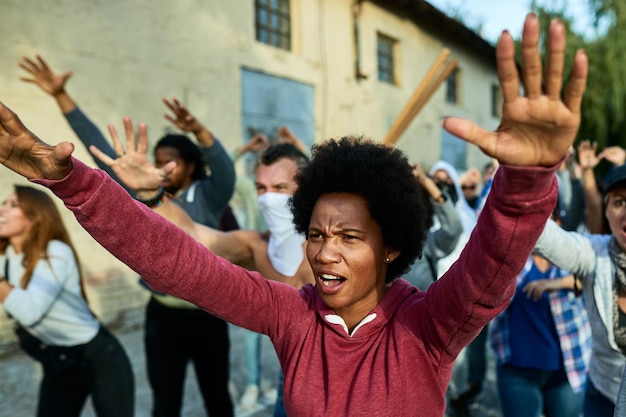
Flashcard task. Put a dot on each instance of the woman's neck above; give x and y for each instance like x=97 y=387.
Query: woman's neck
x=17 y=244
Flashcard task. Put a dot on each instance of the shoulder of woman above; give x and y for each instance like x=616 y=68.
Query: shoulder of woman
x=59 y=249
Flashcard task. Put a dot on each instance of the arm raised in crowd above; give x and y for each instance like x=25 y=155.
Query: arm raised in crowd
x=240 y=247
x=538 y=123
x=185 y=121
x=55 y=85
x=219 y=189
x=52 y=84
x=442 y=241
x=588 y=160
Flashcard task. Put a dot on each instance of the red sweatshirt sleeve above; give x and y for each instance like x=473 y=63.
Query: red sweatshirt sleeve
x=169 y=259
x=482 y=281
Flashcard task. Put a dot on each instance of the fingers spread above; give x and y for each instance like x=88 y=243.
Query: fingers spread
x=556 y=56
x=101 y=155
x=169 y=105
x=531 y=59
x=578 y=80
x=42 y=63
x=130 y=134
x=142 y=145
x=117 y=145
x=10 y=123
x=471 y=132
x=507 y=69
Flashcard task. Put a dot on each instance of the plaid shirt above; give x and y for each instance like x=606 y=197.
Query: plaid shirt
x=572 y=326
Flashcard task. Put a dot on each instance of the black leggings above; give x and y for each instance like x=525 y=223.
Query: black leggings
x=176 y=336
x=103 y=371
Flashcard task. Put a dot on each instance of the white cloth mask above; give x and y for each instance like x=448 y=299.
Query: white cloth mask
x=285 y=244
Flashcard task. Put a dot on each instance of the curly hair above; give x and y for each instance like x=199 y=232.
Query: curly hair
x=384 y=178
x=188 y=151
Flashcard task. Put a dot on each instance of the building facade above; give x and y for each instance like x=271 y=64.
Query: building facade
x=324 y=68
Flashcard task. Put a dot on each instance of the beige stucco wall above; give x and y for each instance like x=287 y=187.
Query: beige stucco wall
x=127 y=55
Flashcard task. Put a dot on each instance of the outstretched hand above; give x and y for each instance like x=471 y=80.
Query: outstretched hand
x=183 y=118
x=536 y=129
x=132 y=166
x=23 y=152
x=614 y=154
x=285 y=135
x=256 y=143
x=42 y=75
x=587 y=155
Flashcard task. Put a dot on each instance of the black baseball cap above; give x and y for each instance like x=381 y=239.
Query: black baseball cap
x=616 y=177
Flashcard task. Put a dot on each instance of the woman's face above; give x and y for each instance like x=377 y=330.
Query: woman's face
x=14 y=224
x=616 y=215
x=346 y=252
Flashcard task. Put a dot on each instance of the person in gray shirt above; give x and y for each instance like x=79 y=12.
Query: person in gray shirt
x=440 y=241
x=599 y=261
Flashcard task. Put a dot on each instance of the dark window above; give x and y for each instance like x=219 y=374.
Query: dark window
x=452 y=87
x=496 y=100
x=384 y=50
x=273 y=22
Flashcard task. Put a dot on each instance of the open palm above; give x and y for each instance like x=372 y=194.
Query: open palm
x=539 y=127
x=26 y=154
x=132 y=165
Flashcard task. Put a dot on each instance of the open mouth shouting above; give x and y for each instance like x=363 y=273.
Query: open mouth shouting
x=330 y=283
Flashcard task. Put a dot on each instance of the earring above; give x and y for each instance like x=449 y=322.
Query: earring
x=387 y=260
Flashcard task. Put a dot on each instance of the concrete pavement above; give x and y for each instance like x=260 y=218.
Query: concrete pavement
x=20 y=375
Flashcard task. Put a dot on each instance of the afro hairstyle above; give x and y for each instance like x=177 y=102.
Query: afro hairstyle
x=383 y=177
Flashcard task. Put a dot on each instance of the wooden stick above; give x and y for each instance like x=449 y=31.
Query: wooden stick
x=443 y=75
x=393 y=134
x=416 y=102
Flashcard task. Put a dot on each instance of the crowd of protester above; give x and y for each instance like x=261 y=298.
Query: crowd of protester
x=523 y=260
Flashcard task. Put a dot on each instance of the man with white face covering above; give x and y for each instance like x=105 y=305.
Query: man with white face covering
x=275 y=172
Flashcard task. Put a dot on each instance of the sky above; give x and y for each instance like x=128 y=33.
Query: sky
x=497 y=15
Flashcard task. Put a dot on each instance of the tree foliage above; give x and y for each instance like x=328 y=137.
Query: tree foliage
x=604 y=103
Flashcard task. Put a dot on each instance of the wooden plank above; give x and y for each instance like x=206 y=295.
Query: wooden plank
x=431 y=81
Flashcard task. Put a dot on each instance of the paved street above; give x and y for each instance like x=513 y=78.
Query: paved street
x=19 y=376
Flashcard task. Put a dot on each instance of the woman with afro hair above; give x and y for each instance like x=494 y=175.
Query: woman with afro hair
x=361 y=341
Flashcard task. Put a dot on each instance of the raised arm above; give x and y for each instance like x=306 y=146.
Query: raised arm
x=24 y=153
x=49 y=82
x=588 y=160
x=285 y=135
x=537 y=128
x=256 y=143
x=53 y=84
x=442 y=241
x=218 y=190
x=183 y=119
x=534 y=136
x=614 y=154
x=135 y=171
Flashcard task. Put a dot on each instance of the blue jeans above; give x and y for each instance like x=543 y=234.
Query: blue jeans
x=596 y=404
x=279 y=408
x=477 y=361
x=526 y=392
x=253 y=357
